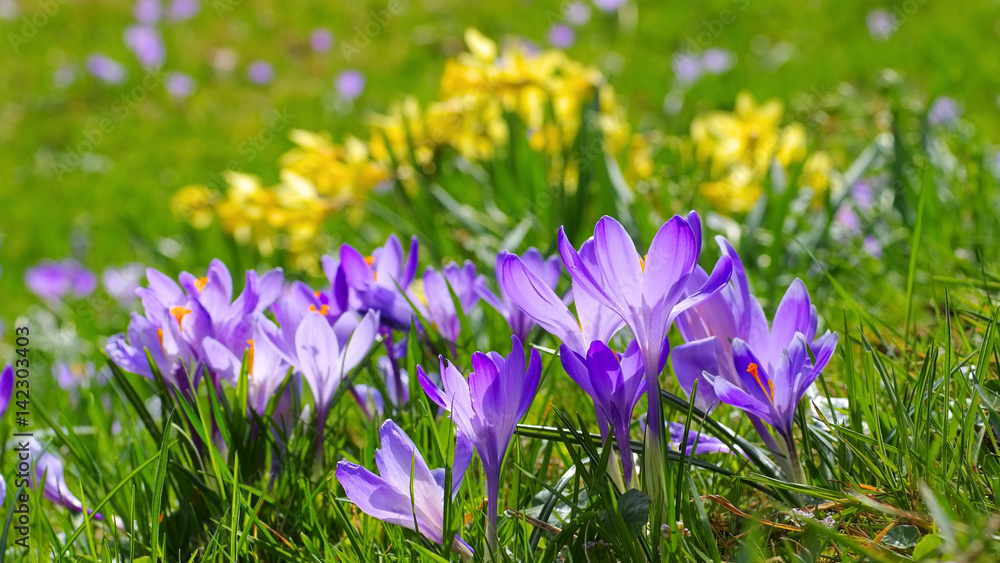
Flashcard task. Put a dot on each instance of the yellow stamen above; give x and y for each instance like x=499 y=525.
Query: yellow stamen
x=159 y=334
x=201 y=283
x=179 y=312
x=752 y=370
x=250 y=358
x=642 y=264
x=323 y=310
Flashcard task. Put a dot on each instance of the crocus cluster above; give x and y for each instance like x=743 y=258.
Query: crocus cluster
x=612 y=328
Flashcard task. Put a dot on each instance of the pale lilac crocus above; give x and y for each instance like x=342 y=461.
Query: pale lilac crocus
x=122 y=282
x=943 y=111
x=577 y=13
x=52 y=280
x=716 y=61
x=696 y=443
x=687 y=68
x=179 y=85
x=147 y=11
x=467 y=286
x=350 y=84
x=881 y=24
x=561 y=36
x=321 y=40
x=615 y=384
x=487 y=408
x=106 y=69
x=608 y=6
x=380 y=280
x=325 y=361
x=407 y=492
x=146 y=44
x=373 y=401
x=647 y=292
x=50 y=474
x=260 y=72
x=547 y=270
x=182 y=10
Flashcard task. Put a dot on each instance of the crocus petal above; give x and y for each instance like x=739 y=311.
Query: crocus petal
x=752 y=372
x=533 y=296
x=732 y=395
x=673 y=253
x=356 y=270
x=317 y=355
x=721 y=273
x=374 y=496
x=618 y=261
x=793 y=315
x=270 y=286
x=410 y=268
x=220 y=360
x=389 y=262
x=692 y=359
x=6 y=387
x=360 y=342
x=583 y=278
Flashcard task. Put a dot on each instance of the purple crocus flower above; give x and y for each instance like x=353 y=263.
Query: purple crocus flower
x=608 y=6
x=266 y=369
x=577 y=13
x=182 y=10
x=645 y=291
x=260 y=72
x=944 y=111
x=321 y=40
x=350 y=84
x=369 y=396
x=615 y=384
x=53 y=280
x=467 y=286
x=147 y=12
x=179 y=85
x=712 y=331
x=50 y=471
x=561 y=36
x=106 y=69
x=687 y=68
x=122 y=282
x=406 y=492
x=147 y=45
x=716 y=61
x=546 y=270
x=535 y=297
x=702 y=443
x=487 y=408
x=6 y=388
x=881 y=24
x=379 y=280
x=324 y=360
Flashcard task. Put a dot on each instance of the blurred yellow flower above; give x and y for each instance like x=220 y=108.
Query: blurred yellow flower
x=193 y=204
x=248 y=212
x=817 y=174
x=342 y=173
x=739 y=147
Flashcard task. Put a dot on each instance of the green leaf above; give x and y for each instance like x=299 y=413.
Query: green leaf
x=927 y=546
x=634 y=507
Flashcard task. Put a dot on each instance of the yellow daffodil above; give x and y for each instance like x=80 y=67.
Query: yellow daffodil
x=193 y=204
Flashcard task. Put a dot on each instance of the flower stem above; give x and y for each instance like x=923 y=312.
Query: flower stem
x=492 y=504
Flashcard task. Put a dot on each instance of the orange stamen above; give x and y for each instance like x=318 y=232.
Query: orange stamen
x=159 y=334
x=179 y=312
x=201 y=283
x=323 y=310
x=317 y=293
x=371 y=260
x=752 y=370
x=250 y=358
x=642 y=264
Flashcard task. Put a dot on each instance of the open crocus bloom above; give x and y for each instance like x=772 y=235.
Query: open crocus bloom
x=712 y=329
x=324 y=360
x=546 y=270
x=412 y=499
x=266 y=369
x=380 y=280
x=647 y=292
x=488 y=406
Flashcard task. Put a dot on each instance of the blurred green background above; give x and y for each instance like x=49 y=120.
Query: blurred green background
x=113 y=207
